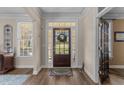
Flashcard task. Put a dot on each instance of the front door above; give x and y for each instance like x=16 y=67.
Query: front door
x=61 y=47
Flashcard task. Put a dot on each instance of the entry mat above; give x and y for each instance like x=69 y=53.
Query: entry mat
x=13 y=79
x=60 y=72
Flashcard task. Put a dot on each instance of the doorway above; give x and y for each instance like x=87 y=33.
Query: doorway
x=111 y=57
x=70 y=48
x=61 y=47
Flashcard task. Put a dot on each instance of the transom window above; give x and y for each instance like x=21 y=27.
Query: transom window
x=61 y=24
x=24 y=35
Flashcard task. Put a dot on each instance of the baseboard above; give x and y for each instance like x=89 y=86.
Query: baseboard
x=76 y=66
x=116 y=66
x=89 y=75
x=45 y=66
x=36 y=72
x=23 y=66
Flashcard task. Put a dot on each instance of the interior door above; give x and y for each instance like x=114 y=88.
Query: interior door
x=61 y=47
x=103 y=50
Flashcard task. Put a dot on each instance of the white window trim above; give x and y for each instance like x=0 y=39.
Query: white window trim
x=17 y=39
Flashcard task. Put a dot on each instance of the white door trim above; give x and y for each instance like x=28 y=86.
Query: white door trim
x=46 y=38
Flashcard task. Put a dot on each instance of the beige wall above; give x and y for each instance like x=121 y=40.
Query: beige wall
x=74 y=63
x=43 y=43
x=3 y=22
x=81 y=41
x=38 y=40
x=37 y=47
x=118 y=47
x=19 y=61
x=90 y=33
x=38 y=55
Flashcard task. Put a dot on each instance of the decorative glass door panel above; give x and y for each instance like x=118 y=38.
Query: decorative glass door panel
x=103 y=50
x=61 y=47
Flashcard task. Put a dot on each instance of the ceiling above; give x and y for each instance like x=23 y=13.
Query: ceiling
x=17 y=12
x=115 y=13
x=62 y=11
x=12 y=12
x=117 y=10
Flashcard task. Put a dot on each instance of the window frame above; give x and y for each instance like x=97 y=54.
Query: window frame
x=18 y=38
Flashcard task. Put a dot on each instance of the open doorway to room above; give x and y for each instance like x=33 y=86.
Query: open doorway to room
x=111 y=37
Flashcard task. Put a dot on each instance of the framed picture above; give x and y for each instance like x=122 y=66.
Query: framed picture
x=119 y=36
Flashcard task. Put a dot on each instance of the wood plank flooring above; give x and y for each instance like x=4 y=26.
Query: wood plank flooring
x=78 y=78
x=43 y=78
x=116 y=77
x=21 y=71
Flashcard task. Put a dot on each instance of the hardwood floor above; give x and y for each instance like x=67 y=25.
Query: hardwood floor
x=43 y=78
x=78 y=78
x=21 y=71
x=116 y=77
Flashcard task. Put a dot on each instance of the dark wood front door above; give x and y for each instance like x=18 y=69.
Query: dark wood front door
x=61 y=47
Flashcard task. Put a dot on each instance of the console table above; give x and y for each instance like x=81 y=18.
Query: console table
x=6 y=62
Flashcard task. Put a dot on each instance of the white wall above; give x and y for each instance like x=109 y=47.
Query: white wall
x=23 y=62
x=88 y=22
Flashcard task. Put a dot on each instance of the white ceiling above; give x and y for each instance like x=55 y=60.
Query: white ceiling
x=115 y=13
x=12 y=12
x=17 y=12
x=117 y=10
x=62 y=9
